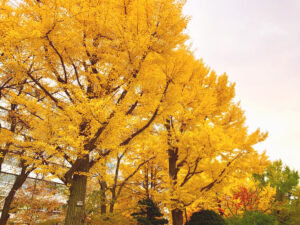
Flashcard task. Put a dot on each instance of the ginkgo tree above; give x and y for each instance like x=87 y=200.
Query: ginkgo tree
x=15 y=144
x=96 y=68
x=203 y=137
x=199 y=142
x=107 y=83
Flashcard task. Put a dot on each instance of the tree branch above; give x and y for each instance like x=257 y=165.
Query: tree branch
x=45 y=91
x=132 y=174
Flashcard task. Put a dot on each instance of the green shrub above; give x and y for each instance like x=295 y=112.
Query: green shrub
x=253 y=218
x=206 y=217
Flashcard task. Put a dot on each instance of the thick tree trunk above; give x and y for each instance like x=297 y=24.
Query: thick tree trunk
x=20 y=179
x=177 y=217
x=173 y=157
x=177 y=214
x=76 y=204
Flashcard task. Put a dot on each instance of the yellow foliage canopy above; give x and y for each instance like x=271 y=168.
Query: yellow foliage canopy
x=109 y=85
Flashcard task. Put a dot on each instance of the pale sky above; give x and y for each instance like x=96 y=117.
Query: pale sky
x=257 y=43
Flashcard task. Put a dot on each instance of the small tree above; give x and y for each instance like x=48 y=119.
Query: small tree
x=206 y=217
x=247 y=197
x=149 y=213
x=285 y=180
x=282 y=178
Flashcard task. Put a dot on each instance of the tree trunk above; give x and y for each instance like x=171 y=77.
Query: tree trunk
x=111 y=206
x=103 y=187
x=103 y=208
x=177 y=214
x=114 y=188
x=173 y=157
x=177 y=217
x=146 y=183
x=76 y=204
x=185 y=214
x=20 y=179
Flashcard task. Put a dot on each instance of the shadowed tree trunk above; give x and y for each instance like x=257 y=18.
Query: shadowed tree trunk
x=76 y=204
x=103 y=187
x=177 y=214
x=177 y=217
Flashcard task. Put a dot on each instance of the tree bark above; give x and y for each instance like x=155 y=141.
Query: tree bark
x=173 y=157
x=19 y=181
x=111 y=207
x=114 y=188
x=177 y=216
x=103 y=187
x=76 y=204
x=146 y=183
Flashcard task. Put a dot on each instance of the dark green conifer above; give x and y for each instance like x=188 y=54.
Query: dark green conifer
x=149 y=213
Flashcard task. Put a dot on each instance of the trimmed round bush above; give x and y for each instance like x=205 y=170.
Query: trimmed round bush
x=206 y=217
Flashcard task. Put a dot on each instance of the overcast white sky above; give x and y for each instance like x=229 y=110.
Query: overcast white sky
x=257 y=43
